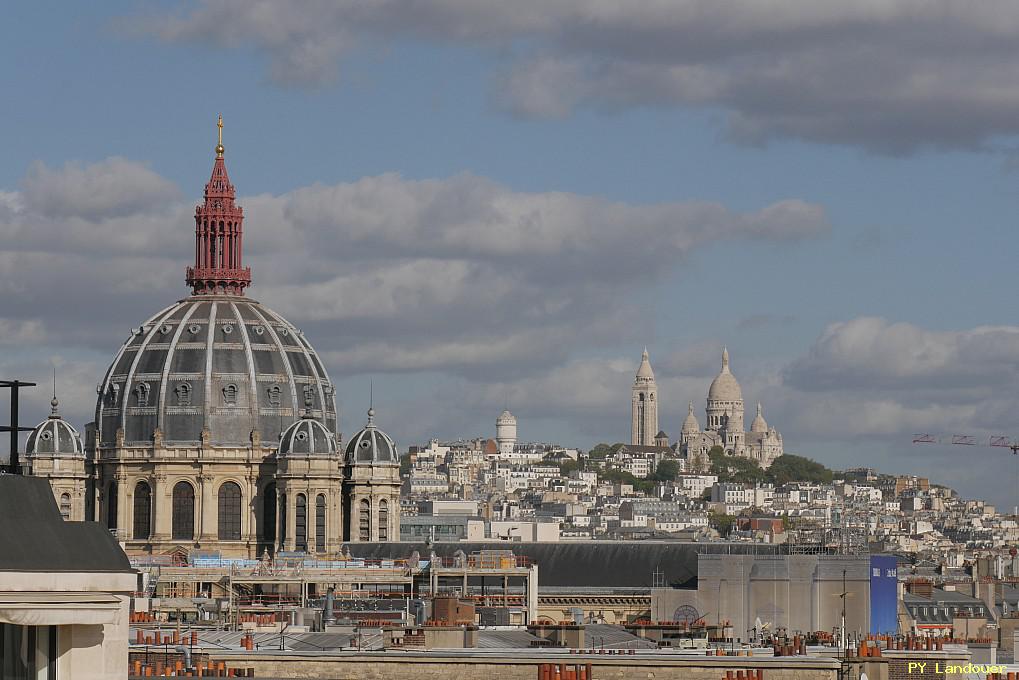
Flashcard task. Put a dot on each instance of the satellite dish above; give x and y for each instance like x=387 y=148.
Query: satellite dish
x=863 y=676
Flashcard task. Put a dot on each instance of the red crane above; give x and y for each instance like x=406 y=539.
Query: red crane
x=999 y=441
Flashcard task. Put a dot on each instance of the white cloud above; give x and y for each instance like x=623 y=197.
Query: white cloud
x=888 y=75
x=460 y=274
x=115 y=187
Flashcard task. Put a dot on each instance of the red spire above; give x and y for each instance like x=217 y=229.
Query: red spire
x=218 y=236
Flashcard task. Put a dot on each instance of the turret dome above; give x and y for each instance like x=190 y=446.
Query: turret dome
x=307 y=436
x=54 y=436
x=372 y=446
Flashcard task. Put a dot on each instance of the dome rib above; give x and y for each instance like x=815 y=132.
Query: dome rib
x=210 y=339
x=129 y=381
x=283 y=350
x=164 y=379
x=253 y=383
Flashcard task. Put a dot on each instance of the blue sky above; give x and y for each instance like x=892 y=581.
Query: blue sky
x=592 y=126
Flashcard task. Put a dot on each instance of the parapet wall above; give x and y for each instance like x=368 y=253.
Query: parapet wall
x=519 y=665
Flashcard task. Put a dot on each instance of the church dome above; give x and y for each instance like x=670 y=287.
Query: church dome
x=690 y=423
x=224 y=363
x=372 y=446
x=760 y=424
x=725 y=386
x=506 y=418
x=216 y=366
x=307 y=436
x=54 y=436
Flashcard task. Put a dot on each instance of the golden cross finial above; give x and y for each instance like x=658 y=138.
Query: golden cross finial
x=219 y=144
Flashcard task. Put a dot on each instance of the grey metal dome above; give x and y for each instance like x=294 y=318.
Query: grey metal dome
x=372 y=446
x=224 y=363
x=307 y=436
x=54 y=436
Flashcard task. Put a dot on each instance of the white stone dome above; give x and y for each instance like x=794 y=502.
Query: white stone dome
x=725 y=387
x=760 y=424
x=690 y=423
x=224 y=363
x=506 y=418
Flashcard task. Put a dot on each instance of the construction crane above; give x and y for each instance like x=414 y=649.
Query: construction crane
x=997 y=441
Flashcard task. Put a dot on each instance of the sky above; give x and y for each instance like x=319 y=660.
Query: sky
x=479 y=205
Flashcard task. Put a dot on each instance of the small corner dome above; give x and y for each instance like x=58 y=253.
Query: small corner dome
x=307 y=436
x=54 y=436
x=372 y=446
x=690 y=424
x=759 y=425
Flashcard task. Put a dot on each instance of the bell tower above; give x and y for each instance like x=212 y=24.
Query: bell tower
x=644 y=407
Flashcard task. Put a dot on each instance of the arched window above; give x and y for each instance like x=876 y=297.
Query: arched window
x=383 y=520
x=183 y=512
x=283 y=518
x=142 y=511
x=229 y=512
x=320 y=524
x=111 y=507
x=364 y=520
x=269 y=513
x=301 y=523
x=65 y=506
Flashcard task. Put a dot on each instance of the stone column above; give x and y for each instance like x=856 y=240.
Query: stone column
x=162 y=506
x=124 y=497
x=205 y=528
x=249 y=524
x=334 y=520
x=291 y=519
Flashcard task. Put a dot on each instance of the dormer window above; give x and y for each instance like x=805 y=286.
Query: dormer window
x=141 y=394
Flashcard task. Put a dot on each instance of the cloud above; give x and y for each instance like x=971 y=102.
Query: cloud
x=888 y=75
x=113 y=188
x=869 y=352
x=460 y=274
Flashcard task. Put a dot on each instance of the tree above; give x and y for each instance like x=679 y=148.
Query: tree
x=666 y=471
x=568 y=466
x=405 y=465
x=790 y=468
x=603 y=450
x=721 y=522
x=735 y=468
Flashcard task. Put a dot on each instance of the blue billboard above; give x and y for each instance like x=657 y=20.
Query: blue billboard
x=884 y=584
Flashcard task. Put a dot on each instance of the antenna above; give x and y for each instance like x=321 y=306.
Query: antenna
x=13 y=464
